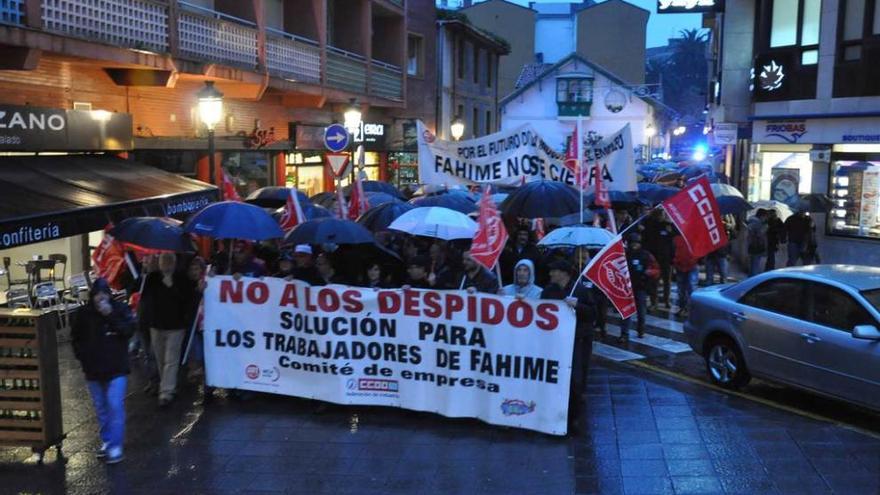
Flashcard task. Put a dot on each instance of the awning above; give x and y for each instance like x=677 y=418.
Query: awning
x=51 y=197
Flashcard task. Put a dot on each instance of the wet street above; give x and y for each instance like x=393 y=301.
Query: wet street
x=647 y=433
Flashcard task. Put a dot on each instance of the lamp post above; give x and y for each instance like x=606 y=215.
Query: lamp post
x=210 y=113
x=456 y=128
x=352 y=122
x=650 y=132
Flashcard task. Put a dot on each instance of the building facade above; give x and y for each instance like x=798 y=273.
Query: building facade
x=799 y=79
x=468 y=78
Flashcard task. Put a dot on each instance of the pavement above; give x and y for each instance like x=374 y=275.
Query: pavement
x=647 y=433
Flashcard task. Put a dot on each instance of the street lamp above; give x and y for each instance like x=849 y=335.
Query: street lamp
x=353 y=116
x=680 y=130
x=457 y=128
x=210 y=113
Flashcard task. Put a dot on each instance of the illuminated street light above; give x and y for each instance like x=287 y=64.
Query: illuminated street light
x=210 y=113
x=457 y=128
x=353 y=116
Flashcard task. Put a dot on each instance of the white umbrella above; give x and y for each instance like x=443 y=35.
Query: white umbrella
x=783 y=210
x=725 y=190
x=577 y=236
x=436 y=222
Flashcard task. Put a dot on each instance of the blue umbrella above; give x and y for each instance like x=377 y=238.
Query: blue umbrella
x=329 y=231
x=325 y=199
x=542 y=199
x=655 y=193
x=575 y=218
x=233 y=220
x=275 y=197
x=312 y=212
x=375 y=186
x=380 y=217
x=153 y=233
x=618 y=198
x=374 y=198
x=454 y=200
x=732 y=204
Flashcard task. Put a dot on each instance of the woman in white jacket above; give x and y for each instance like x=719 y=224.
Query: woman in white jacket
x=523 y=281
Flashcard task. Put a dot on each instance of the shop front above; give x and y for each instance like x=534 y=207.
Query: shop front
x=839 y=157
x=64 y=175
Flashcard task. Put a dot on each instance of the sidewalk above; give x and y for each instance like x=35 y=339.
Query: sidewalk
x=645 y=435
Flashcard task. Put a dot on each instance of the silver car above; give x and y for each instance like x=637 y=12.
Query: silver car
x=814 y=327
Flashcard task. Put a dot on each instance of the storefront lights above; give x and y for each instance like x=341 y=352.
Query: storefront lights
x=210 y=105
x=843 y=181
x=457 y=128
x=353 y=116
x=839 y=213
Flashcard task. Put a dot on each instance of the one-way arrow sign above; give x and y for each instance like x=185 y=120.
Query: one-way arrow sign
x=335 y=138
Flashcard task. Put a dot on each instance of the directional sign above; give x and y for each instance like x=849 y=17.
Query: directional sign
x=335 y=138
x=339 y=164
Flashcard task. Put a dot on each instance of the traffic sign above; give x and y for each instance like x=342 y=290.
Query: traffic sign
x=335 y=137
x=339 y=164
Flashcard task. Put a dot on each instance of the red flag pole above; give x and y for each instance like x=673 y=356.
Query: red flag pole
x=498 y=273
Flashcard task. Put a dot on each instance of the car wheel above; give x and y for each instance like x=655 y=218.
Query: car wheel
x=725 y=363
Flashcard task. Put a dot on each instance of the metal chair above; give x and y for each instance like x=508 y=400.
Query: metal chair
x=60 y=259
x=18 y=298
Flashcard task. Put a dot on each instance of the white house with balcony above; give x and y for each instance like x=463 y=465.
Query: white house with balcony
x=551 y=97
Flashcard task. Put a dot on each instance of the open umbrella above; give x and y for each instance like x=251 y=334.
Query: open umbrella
x=325 y=199
x=233 y=220
x=783 y=211
x=575 y=218
x=380 y=217
x=374 y=198
x=542 y=199
x=621 y=199
x=329 y=231
x=454 y=200
x=655 y=193
x=375 y=186
x=275 y=197
x=731 y=205
x=312 y=212
x=814 y=202
x=436 y=222
x=577 y=236
x=159 y=233
x=719 y=190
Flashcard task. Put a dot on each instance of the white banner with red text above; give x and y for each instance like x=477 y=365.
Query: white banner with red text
x=499 y=359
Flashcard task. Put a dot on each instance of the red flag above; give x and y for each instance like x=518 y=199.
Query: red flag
x=538 y=227
x=695 y=213
x=571 y=158
x=359 y=203
x=229 y=191
x=341 y=207
x=108 y=259
x=293 y=213
x=609 y=271
x=491 y=235
x=600 y=196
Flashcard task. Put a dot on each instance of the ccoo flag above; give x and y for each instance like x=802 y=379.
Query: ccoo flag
x=695 y=213
x=609 y=271
x=491 y=235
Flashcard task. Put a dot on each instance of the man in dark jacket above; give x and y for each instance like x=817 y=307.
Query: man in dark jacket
x=562 y=283
x=168 y=295
x=100 y=343
x=476 y=277
x=775 y=237
x=643 y=270
x=801 y=232
x=658 y=235
x=417 y=273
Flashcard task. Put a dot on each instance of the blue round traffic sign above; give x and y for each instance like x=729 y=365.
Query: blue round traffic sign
x=336 y=137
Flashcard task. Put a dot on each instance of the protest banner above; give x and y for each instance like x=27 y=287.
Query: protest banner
x=614 y=158
x=503 y=158
x=503 y=360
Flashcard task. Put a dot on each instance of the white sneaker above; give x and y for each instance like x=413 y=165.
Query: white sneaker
x=102 y=452
x=114 y=456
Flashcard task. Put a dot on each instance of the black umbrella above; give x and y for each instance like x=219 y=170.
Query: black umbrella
x=329 y=231
x=814 y=203
x=373 y=198
x=656 y=193
x=620 y=199
x=275 y=197
x=375 y=186
x=454 y=200
x=165 y=234
x=542 y=199
x=312 y=212
x=380 y=217
x=325 y=199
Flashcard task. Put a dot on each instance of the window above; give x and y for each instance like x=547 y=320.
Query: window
x=574 y=90
x=476 y=67
x=782 y=295
x=460 y=58
x=488 y=69
x=834 y=308
x=854 y=193
x=858 y=48
x=475 y=122
x=784 y=27
x=488 y=122
x=786 y=49
x=415 y=60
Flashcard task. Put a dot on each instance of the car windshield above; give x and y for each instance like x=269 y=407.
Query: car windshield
x=873 y=297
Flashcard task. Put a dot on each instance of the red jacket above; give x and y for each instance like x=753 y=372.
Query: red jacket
x=683 y=260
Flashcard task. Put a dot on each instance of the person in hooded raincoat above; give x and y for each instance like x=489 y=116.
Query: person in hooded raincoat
x=523 y=281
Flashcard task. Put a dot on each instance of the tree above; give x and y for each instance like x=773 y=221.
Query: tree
x=684 y=72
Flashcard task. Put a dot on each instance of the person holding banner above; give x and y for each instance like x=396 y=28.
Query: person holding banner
x=643 y=270
x=523 y=285
x=417 y=273
x=476 y=277
x=583 y=301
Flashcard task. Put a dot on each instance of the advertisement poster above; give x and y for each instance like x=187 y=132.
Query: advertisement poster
x=870 y=201
x=784 y=185
x=499 y=359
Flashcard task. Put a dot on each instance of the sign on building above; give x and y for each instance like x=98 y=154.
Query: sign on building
x=26 y=128
x=689 y=6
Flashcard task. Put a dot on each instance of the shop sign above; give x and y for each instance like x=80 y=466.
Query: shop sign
x=372 y=136
x=689 y=6
x=724 y=133
x=307 y=137
x=818 y=131
x=789 y=132
x=26 y=128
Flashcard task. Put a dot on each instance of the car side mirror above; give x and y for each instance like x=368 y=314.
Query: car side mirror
x=866 y=332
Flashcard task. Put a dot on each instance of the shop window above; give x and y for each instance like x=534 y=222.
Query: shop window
x=415 y=56
x=858 y=49
x=403 y=168
x=780 y=176
x=248 y=170
x=854 y=190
